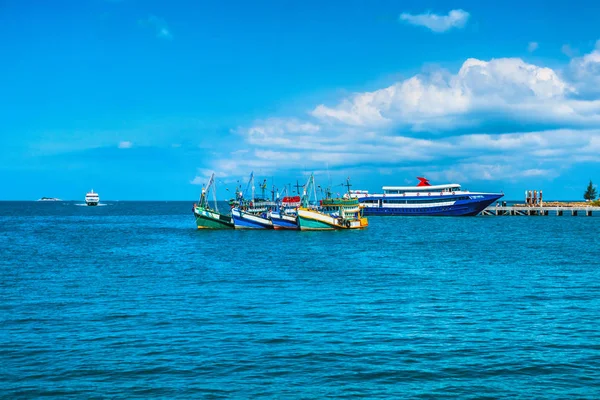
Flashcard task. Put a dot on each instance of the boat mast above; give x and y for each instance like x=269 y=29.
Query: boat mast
x=314 y=187
x=298 y=186
x=252 y=183
x=205 y=190
x=248 y=185
x=263 y=187
x=348 y=185
x=305 y=200
x=214 y=193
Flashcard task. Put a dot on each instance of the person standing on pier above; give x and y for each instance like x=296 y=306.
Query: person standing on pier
x=527 y=197
x=541 y=201
x=535 y=197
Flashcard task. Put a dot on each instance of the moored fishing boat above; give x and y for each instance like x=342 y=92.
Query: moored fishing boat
x=250 y=219
x=334 y=213
x=207 y=217
x=285 y=214
x=252 y=213
x=341 y=213
x=424 y=200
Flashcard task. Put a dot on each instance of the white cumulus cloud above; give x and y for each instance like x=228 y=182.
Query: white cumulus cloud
x=586 y=71
x=436 y=123
x=438 y=23
x=423 y=102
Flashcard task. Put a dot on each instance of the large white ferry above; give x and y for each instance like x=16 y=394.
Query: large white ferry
x=424 y=200
x=92 y=199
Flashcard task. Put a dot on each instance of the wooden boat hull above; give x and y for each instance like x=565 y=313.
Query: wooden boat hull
x=283 y=221
x=316 y=221
x=208 y=219
x=244 y=220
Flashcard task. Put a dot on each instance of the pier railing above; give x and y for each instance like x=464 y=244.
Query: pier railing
x=539 y=210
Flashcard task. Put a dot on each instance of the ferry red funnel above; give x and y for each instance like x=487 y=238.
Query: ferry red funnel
x=423 y=181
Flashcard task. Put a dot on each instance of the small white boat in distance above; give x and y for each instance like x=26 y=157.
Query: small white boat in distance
x=92 y=199
x=49 y=199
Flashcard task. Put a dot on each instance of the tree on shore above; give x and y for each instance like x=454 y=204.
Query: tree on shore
x=590 y=193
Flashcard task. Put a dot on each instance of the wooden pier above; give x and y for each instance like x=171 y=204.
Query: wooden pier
x=537 y=210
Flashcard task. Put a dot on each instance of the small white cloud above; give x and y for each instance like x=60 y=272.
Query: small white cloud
x=203 y=176
x=164 y=33
x=125 y=144
x=198 y=180
x=438 y=23
x=159 y=25
x=536 y=172
x=532 y=46
x=568 y=51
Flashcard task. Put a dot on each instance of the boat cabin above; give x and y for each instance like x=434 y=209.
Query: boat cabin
x=449 y=188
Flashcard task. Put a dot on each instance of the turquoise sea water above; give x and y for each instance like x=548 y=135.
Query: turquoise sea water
x=130 y=300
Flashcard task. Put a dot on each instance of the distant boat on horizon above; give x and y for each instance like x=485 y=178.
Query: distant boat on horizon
x=92 y=199
x=49 y=199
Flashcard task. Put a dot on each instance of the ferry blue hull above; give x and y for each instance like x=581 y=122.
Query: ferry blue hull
x=470 y=207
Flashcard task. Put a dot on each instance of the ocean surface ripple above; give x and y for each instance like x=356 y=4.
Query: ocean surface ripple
x=131 y=301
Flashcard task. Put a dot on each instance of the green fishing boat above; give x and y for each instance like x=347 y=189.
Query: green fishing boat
x=208 y=217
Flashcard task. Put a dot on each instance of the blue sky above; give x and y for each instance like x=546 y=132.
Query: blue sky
x=143 y=99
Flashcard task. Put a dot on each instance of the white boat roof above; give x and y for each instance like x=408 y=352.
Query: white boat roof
x=422 y=188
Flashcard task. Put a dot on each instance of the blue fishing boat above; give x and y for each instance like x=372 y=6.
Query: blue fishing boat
x=424 y=199
x=252 y=213
x=285 y=214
